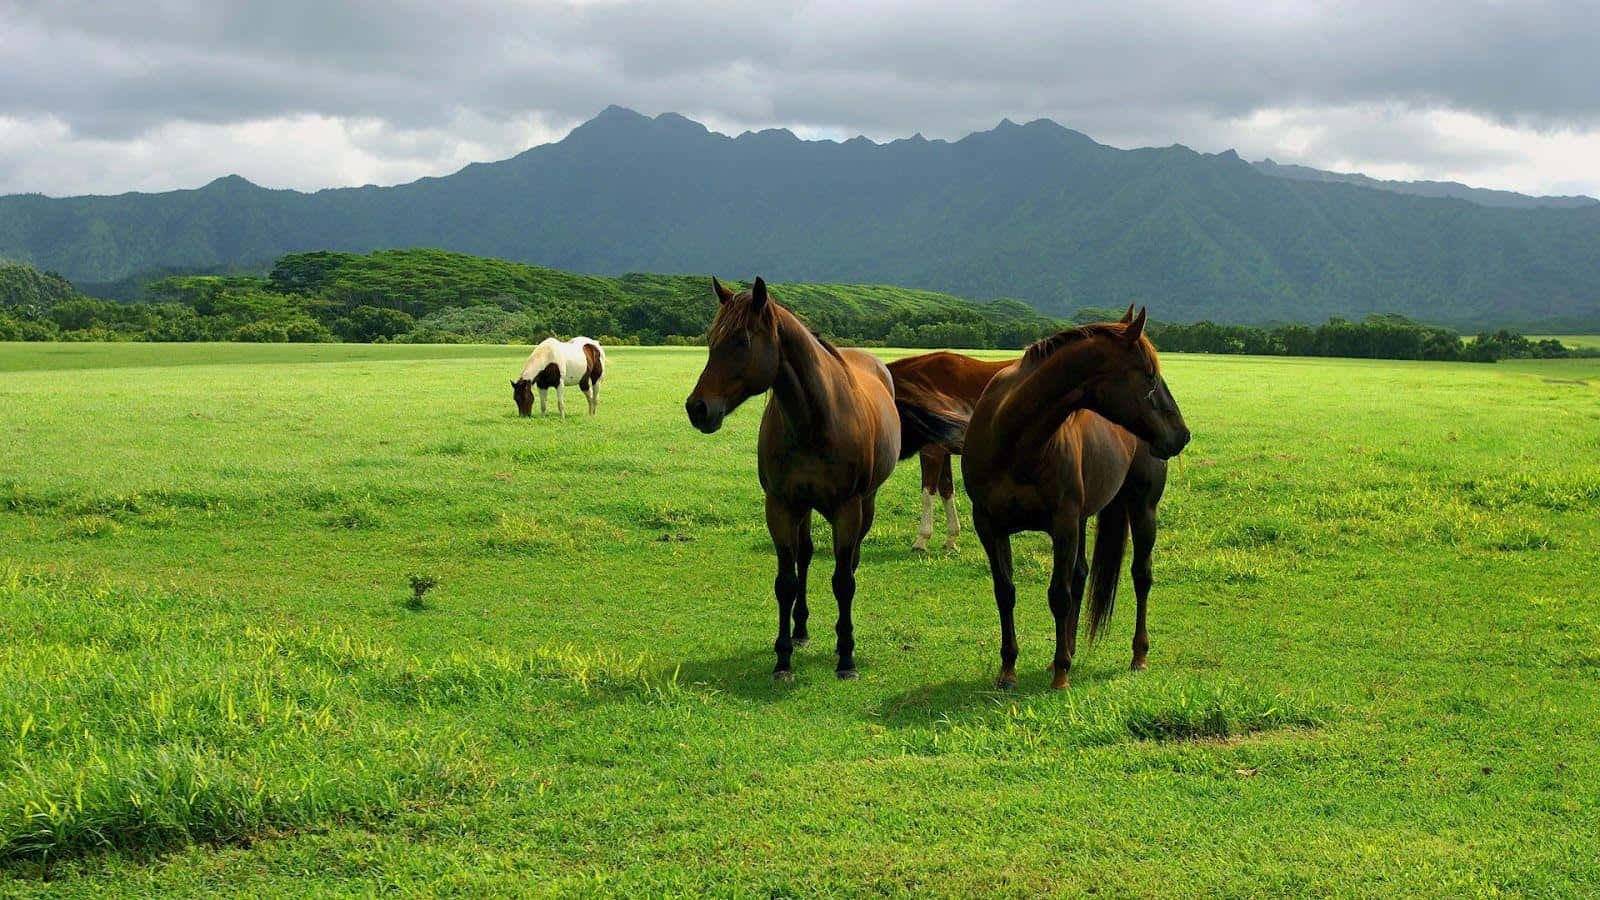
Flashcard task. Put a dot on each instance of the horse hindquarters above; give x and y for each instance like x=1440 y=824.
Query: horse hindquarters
x=594 y=367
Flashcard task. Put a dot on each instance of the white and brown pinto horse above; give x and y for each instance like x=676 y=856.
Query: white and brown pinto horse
x=556 y=364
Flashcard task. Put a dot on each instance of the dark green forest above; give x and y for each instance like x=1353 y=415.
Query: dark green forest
x=1034 y=212
x=431 y=296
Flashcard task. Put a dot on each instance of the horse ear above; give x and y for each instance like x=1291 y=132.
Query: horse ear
x=513 y=382
x=723 y=294
x=758 y=294
x=1127 y=316
x=1136 y=327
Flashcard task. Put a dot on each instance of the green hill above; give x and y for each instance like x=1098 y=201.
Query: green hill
x=1036 y=212
x=22 y=285
x=423 y=295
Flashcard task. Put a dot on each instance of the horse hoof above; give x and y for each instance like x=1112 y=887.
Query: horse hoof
x=1139 y=665
x=920 y=547
x=1058 y=681
x=1006 y=680
x=799 y=642
x=845 y=674
x=783 y=676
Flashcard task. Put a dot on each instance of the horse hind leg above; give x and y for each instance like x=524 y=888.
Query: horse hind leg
x=947 y=489
x=930 y=460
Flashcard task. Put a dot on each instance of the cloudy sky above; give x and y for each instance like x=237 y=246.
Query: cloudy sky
x=102 y=97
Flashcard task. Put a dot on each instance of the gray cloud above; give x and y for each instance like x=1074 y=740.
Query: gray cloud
x=1142 y=72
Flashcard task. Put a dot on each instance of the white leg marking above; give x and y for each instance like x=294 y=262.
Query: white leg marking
x=952 y=522
x=561 y=399
x=925 y=529
x=542 y=393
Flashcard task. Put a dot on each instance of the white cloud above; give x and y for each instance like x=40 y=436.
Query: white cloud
x=306 y=93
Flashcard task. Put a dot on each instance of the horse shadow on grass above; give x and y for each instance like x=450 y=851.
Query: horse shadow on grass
x=963 y=699
x=747 y=674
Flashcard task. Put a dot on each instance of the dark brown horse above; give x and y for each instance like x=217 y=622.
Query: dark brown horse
x=830 y=436
x=1083 y=424
x=950 y=383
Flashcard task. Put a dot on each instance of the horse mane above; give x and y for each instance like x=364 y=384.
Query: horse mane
x=1044 y=348
x=736 y=315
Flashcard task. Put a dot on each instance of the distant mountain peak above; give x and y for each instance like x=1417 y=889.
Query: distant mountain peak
x=230 y=183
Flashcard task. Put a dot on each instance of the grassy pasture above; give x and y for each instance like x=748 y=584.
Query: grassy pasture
x=1578 y=341
x=1375 y=662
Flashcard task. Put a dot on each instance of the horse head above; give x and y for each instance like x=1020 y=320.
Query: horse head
x=742 y=359
x=1129 y=390
x=522 y=394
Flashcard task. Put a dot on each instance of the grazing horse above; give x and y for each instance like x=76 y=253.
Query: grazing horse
x=556 y=364
x=951 y=383
x=1083 y=424
x=830 y=436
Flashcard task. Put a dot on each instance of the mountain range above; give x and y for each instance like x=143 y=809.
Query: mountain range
x=1035 y=212
x=1480 y=196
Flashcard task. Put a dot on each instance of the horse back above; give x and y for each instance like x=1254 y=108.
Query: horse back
x=864 y=365
x=960 y=378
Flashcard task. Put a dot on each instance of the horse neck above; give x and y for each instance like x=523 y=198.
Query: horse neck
x=1043 y=398
x=809 y=377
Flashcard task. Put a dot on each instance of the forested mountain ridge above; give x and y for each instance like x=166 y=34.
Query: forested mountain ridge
x=1452 y=189
x=1036 y=212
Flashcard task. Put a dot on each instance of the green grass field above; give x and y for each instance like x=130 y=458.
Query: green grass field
x=1375 y=662
x=1579 y=341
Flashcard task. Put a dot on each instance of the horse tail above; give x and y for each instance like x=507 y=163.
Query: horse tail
x=922 y=425
x=1105 y=569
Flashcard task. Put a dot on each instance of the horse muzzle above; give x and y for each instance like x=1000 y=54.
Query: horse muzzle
x=707 y=417
x=1172 y=445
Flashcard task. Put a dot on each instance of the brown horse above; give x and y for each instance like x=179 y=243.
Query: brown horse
x=952 y=384
x=830 y=436
x=1082 y=424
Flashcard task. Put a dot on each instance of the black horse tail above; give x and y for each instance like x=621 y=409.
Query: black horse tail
x=1105 y=570
x=922 y=425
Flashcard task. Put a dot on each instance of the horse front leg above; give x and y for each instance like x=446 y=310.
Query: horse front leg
x=1064 y=601
x=850 y=524
x=561 y=399
x=802 y=563
x=542 y=393
x=782 y=525
x=1143 y=525
x=998 y=548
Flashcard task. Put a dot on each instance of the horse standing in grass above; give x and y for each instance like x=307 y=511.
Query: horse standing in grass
x=556 y=364
x=830 y=436
x=952 y=384
x=1083 y=424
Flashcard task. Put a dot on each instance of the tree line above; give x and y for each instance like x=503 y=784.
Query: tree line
x=431 y=296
